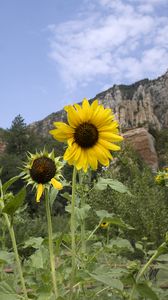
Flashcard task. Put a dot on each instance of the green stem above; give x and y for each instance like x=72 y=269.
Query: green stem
x=15 y=249
x=13 y=239
x=108 y=231
x=140 y=274
x=83 y=241
x=50 y=243
x=92 y=233
x=72 y=224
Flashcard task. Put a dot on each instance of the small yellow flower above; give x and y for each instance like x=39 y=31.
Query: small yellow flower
x=42 y=170
x=159 y=178
x=91 y=134
x=104 y=225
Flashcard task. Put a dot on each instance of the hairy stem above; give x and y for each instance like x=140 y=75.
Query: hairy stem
x=50 y=244
x=72 y=224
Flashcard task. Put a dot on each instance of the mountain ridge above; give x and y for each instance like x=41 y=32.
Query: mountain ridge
x=141 y=104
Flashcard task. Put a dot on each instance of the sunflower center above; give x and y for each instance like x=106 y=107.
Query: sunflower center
x=43 y=170
x=86 y=135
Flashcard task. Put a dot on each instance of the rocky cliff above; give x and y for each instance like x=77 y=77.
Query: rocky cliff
x=138 y=107
x=142 y=104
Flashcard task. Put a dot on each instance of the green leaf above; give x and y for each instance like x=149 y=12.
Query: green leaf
x=6 y=257
x=121 y=244
x=67 y=196
x=113 y=184
x=119 y=222
x=110 y=218
x=7 y=184
x=102 y=214
x=53 y=195
x=15 y=202
x=145 y=291
x=34 y=242
x=163 y=249
x=82 y=213
x=36 y=260
x=108 y=280
x=7 y=292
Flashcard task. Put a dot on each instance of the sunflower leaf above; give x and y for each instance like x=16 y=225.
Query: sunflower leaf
x=15 y=202
x=7 y=292
x=105 y=216
x=113 y=184
x=7 y=184
x=145 y=291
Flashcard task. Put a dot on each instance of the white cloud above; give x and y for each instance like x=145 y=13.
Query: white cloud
x=113 y=39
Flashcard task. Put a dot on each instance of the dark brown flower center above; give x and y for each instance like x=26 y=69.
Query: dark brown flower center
x=86 y=135
x=43 y=170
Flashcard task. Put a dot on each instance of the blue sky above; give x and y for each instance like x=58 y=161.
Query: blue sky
x=56 y=52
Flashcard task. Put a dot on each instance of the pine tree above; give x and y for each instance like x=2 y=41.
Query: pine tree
x=17 y=137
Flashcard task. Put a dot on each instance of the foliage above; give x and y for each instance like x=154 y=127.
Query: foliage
x=142 y=210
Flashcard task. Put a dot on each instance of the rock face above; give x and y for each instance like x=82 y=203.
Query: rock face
x=144 y=103
x=143 y=142
x=2 y=147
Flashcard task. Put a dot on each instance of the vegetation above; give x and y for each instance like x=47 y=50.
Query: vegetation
x=127 y=258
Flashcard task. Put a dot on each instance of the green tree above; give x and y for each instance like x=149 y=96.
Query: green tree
x=17 y=137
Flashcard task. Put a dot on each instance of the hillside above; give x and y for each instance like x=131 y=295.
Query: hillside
x=142 y=104
x=141 y=109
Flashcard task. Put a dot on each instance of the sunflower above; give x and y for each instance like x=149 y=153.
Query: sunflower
x=91 y=133
x=104 y=225
x=42 y=170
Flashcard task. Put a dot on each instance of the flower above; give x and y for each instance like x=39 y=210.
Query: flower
x=104 y=225
x=91 y=133
x=162 y=177
x=42 y=170
x=159 y=179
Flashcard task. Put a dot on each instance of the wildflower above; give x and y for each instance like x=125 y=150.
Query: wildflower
x=91 y=133
x=159 y=178
x=162 y=177
x=42 y=170
x=104 y=225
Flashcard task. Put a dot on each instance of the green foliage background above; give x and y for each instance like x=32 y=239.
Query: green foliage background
x=146 y=210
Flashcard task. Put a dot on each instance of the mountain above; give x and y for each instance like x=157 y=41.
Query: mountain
x=141 y=104
x=141 y=109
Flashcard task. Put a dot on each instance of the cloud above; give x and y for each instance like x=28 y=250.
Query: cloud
x=111 y=41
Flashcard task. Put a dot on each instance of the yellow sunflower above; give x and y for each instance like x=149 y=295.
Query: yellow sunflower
x=42 y=170
x=91 y=133
x=104 y=225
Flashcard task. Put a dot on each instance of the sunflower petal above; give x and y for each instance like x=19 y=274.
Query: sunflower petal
x=82 y=162
x=40 y=189
x=109 y=145
x=73 y=117
x=94 y=104
x=112 y=127
x=111 y=137
x=86 y=110
x=56 y=184
x=92 y=160
x=70 y=152
x=100 y=154
x=58 y=135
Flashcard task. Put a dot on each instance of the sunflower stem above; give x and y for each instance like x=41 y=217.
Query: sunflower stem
x=142 y=271
x=50 y=243
x=108 y=231
x=14 y=245
x=72 y=224
x=83 y=241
